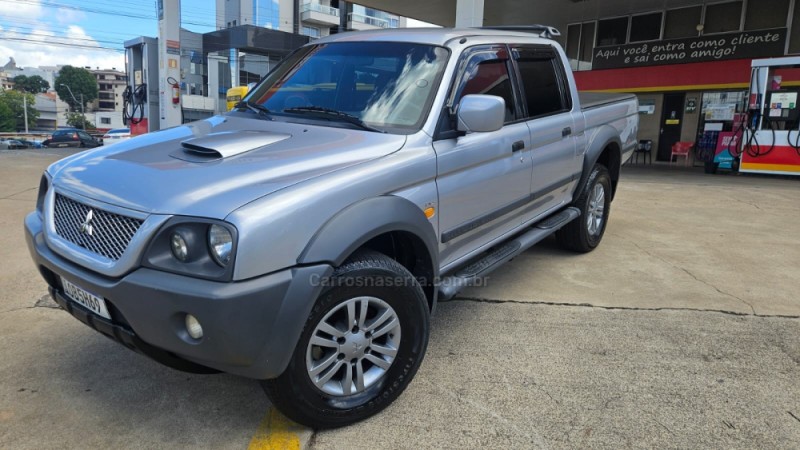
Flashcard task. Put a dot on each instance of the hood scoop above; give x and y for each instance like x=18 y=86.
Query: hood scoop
x=225 y=144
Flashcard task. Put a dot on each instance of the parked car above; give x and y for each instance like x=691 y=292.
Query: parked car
x=116 y=135
x=72 y=138
x=305 y=237
x=31 y=144
x=12 y=144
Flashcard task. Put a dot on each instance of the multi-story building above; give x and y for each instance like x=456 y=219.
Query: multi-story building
x=6 y=80
x=110 y=84
x=313 y=18
x=52 y=111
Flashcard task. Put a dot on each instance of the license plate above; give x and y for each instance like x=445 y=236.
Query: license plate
x=88 y=300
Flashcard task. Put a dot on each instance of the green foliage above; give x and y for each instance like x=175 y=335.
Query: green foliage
x=76 y=119
x=33 y=84
x=13 y=100
x=81 y=81
x=7 y=121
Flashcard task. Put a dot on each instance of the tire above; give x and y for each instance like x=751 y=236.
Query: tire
x=579 y=235
x=366 y=279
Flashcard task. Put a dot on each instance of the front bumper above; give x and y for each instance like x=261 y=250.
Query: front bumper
x=250 y=327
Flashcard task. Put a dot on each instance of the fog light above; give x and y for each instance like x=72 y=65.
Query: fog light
x=193 y=327
x=179 y=248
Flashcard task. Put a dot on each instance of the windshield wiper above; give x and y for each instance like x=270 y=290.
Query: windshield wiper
x=259 y=109
x=332 y=113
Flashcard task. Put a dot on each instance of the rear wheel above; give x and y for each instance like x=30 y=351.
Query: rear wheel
x=585 y=233
x=362 y=344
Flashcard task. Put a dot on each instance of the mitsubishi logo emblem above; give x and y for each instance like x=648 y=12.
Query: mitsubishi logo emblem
x=86 y=226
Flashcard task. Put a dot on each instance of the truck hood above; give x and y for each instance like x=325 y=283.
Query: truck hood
x=211 y=167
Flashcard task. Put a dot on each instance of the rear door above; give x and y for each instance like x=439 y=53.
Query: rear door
x=483 y=178
x=548 y=111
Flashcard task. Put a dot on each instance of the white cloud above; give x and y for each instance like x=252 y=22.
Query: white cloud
x=30 y=9
x=66 y=15
x=38 y=49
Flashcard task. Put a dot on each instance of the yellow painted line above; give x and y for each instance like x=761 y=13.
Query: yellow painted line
x=771 y=167
x=691 y=87
x=276 y=432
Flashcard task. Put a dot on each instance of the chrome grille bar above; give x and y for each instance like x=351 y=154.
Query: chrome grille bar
x=94 y=229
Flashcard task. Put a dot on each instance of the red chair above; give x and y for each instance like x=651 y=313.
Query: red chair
x=681 y=149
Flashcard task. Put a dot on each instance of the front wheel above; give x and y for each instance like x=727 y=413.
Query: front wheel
x=362 y=344
x=585 y=233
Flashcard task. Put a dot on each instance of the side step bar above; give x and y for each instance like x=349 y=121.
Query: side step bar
x=489 y=261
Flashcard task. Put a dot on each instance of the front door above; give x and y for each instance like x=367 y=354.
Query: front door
x=483 y=178
x=671 y=123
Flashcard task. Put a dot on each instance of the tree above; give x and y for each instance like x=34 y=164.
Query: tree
x=76 y=119
x=14 y=101
x=33 y=84
x=81 y=81
x=7 y=121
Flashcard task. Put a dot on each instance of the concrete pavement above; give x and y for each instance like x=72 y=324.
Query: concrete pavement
x=513 y=364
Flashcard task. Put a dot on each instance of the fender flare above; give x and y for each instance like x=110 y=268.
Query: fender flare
x=355 y=225
x=602 y=138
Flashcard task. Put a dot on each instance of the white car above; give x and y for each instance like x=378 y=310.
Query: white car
x=116 y=135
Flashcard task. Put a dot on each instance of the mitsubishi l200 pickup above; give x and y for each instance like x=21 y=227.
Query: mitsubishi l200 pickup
x=304 y=238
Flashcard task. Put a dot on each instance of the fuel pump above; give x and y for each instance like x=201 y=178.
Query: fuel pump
x=772 y=135
x=152 y=99
x=140 y=99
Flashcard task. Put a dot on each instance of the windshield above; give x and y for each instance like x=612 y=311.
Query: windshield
x=387 y=85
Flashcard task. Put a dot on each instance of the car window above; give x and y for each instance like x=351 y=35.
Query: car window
x=542 y=88
x=385 y=84
x=490 y=77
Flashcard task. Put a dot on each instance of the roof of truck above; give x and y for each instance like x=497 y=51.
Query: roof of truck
x=433 y=36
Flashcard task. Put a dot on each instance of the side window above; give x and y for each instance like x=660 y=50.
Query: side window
x=487 y=74
x=542 y=82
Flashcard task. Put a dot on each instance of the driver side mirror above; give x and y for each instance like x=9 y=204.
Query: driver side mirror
x=481 y=113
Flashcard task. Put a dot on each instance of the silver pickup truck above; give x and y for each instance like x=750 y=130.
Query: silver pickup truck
x=304 y=238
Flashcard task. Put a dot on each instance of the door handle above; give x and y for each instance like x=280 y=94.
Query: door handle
x=517 y=146
x=566 y=132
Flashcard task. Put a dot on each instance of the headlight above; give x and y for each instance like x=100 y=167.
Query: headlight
x=220 y=242
x=196 y=247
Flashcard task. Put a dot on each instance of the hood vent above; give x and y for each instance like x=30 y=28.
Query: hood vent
x=230 y=143
x=201 y=151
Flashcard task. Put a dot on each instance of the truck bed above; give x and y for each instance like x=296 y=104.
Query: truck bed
x=590 y=100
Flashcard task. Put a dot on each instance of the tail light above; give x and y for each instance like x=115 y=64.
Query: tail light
x=75 y=136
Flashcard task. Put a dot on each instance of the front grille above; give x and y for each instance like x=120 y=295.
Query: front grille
x=101 y=232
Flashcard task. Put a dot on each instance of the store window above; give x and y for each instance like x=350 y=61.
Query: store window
x=794 y=36
x=765 y=14
x=723 y=17
x=682 y=22
x=612 y=31
x=105 y=120
x=646 y=27
x=573 y=40
x=580 y=45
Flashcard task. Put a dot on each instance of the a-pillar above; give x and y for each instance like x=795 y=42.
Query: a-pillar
x=469 y=13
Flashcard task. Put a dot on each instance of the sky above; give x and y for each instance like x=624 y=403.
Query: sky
x=87 y=32
x=91 y=32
